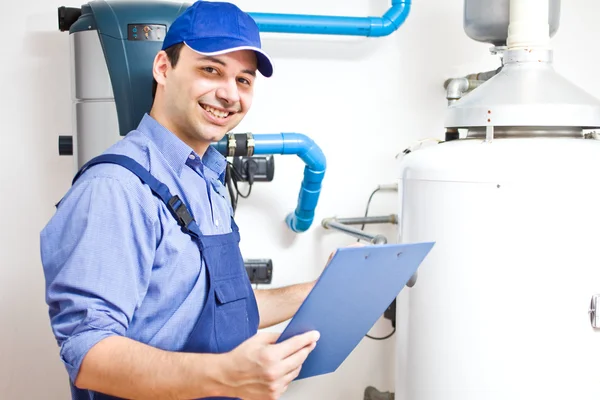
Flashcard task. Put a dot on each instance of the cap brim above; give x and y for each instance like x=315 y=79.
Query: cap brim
x=217 y=46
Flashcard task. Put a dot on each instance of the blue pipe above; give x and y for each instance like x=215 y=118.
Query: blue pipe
x=314 y=171
x=332 y=25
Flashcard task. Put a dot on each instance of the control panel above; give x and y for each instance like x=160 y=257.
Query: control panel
x=146 y=32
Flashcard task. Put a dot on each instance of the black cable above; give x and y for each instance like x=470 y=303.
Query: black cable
x=382 y=338
x=362 y=229
x=251 y=168
x=245 y=196
x=233 y=176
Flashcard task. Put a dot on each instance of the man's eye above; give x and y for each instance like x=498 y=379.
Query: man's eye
x=244 y=81
x=210 y=70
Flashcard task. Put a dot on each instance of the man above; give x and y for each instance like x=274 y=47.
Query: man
x=146 y=302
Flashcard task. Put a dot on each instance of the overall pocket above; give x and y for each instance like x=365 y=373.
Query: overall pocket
x=231 y=312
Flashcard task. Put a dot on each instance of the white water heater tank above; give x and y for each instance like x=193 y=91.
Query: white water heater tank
x=504 y=305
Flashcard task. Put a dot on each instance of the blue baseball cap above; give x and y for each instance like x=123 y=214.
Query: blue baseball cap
x=213 y=28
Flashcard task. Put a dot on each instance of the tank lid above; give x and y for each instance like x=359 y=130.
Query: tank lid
x=526 y=92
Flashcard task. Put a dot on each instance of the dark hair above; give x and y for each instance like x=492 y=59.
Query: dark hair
x=173 y=56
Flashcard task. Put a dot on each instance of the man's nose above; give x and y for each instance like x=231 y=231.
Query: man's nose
x=228 y=93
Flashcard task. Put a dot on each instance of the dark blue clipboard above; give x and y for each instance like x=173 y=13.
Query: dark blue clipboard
x=350 y=296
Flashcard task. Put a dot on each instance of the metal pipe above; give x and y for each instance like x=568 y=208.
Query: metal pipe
x=477 y=76
x=457 y=87
x=385 y=219
x=484 y=76
x=332 y=223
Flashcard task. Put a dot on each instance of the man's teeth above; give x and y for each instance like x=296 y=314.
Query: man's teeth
x=215 y=112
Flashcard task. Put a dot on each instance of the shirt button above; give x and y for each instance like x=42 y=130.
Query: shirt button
x=192 y=157
x=216 y=222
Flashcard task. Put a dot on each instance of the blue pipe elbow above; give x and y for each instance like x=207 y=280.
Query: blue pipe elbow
x=392 y=19
x=333 y=25
x=314 y=171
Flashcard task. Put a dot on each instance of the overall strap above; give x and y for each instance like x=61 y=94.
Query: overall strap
x=175 y=205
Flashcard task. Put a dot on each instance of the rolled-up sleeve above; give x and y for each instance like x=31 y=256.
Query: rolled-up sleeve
x=97 y=253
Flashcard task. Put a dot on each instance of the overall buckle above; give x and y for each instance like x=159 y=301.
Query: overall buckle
x=181 y=212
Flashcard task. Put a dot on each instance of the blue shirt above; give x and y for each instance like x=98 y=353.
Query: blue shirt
x=114 y=258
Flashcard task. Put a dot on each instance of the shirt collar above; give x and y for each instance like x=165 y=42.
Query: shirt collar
x=215 y=161
x=175 y=151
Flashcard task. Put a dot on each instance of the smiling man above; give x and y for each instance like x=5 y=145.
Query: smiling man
x=147 y=291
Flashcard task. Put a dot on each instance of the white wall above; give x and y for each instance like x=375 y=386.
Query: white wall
x=362 y=100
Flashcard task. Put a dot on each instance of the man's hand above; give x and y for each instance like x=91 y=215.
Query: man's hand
x=258 y=369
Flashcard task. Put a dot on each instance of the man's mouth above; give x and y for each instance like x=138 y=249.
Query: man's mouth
x=216 y=112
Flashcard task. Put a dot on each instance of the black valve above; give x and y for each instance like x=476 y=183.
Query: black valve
x=67 y=17
x=65 y=145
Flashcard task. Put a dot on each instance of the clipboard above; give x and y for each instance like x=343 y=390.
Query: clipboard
x=351 y=294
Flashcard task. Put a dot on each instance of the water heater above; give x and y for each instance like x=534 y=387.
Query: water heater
x=112 y=45
x=505 y=305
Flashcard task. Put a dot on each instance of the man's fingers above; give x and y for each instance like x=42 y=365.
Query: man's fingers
x=296 y=360
x=268 y=337
x=295 y=343
x=290 y=376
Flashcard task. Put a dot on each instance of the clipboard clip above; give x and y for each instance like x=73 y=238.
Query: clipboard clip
x=593 y=312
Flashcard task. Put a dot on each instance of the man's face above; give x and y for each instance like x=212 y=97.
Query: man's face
x=206 y=97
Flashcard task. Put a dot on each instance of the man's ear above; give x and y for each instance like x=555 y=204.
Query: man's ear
x=160 y=67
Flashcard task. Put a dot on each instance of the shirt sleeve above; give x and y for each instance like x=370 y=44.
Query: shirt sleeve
x=97 y=253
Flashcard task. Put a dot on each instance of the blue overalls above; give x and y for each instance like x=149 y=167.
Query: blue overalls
x=222 y=324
